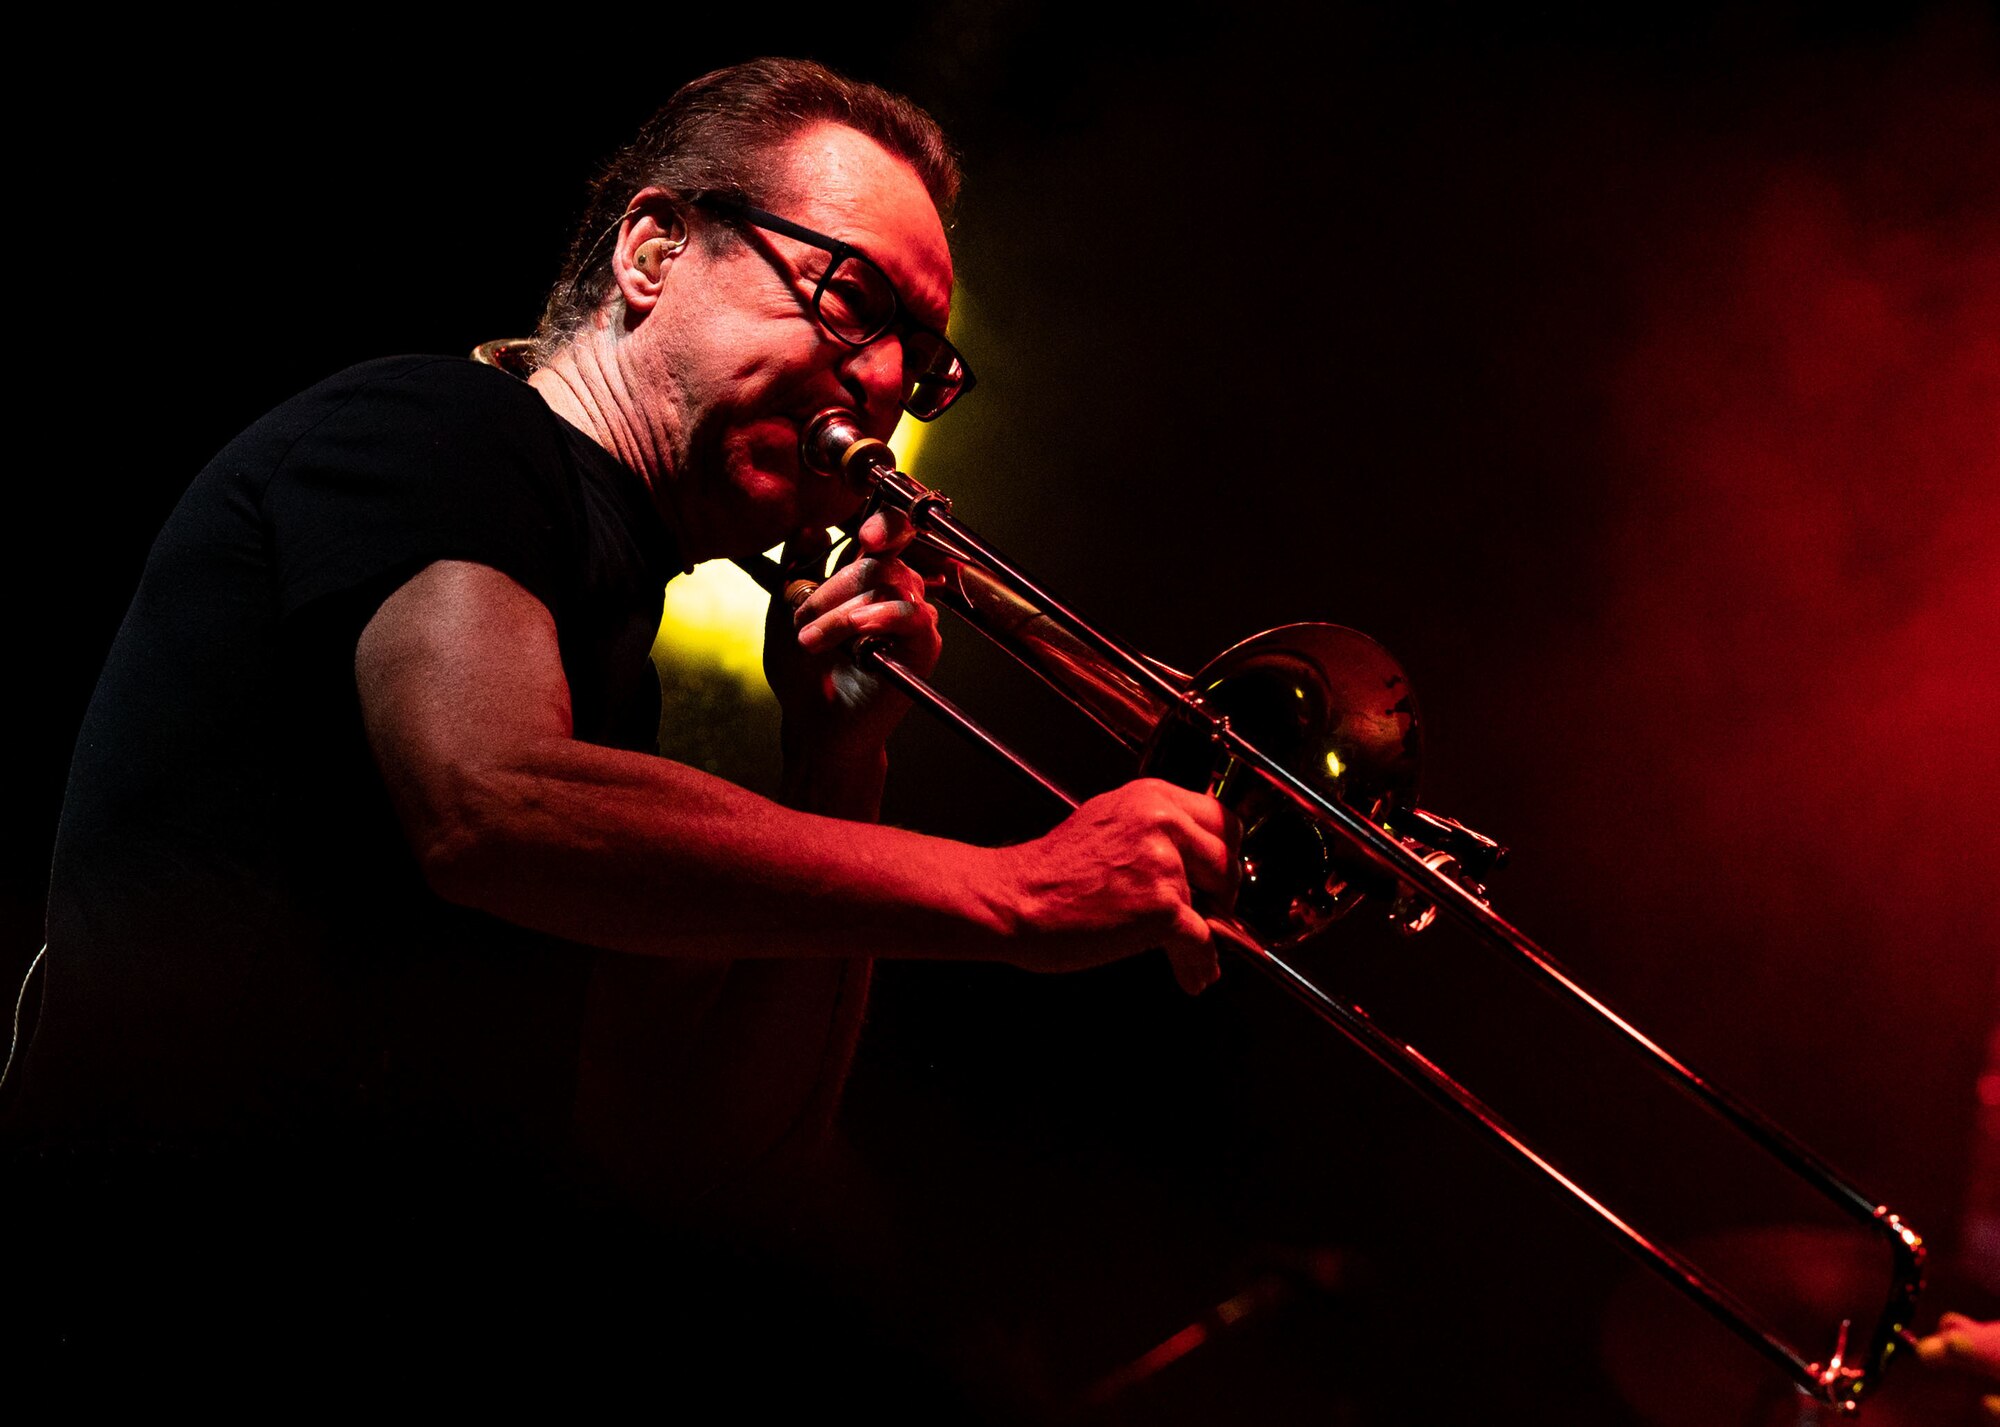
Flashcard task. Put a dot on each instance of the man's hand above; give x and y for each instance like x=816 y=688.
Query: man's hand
x=1967 y=1343
x=1118 y=876
x=833 y=708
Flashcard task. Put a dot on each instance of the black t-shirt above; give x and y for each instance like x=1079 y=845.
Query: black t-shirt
x=281 y=1094
x=241 y=947
x=239 y=938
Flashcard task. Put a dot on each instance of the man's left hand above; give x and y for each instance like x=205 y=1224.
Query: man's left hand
x=832 y=706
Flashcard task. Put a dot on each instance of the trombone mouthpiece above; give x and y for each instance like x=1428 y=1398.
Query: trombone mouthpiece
x=833 y=444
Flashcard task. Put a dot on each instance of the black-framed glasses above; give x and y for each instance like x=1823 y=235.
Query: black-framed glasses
x=856 y=303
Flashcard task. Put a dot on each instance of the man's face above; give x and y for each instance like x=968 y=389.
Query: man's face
x=737 y=363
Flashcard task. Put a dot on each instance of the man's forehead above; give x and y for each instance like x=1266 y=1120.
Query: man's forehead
x=843 y=183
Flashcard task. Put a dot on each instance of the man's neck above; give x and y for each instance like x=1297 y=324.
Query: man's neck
x=584 y=384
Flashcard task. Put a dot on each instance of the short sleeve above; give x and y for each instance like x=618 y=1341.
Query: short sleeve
x=416 y=461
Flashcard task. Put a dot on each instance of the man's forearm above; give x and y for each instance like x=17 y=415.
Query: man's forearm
x=640 y=854
x=467 y=712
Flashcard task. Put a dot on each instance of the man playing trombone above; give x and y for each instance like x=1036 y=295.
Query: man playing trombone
x=366 y=861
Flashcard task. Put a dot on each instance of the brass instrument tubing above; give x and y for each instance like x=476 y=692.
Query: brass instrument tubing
x=928 y=512
x=1835 y=1382
x=1388 y=853
x=877 y=657
x=1401 y=1058
x=1380 y=846
x=1044 y=647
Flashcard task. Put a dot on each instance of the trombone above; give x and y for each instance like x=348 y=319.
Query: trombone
x=1310 y=734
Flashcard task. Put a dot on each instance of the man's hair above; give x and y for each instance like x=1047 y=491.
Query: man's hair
x=718 y=134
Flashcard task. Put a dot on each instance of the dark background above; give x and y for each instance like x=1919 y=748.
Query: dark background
x=1636 y=380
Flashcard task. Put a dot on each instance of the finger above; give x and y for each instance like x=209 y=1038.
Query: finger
x=870 y=573
x=1959 y=1341
x=1191 y=952
x=1977 y=1344
x=1209 y=839
x=878 y=582
x=1232 y=834
x=884 y=532
x=1201 y=809
x=1232 y=845
x=874 y=616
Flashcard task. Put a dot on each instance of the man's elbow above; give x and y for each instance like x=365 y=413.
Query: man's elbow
x=466 y=837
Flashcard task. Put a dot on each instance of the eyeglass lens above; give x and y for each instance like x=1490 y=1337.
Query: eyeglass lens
x=858 y=303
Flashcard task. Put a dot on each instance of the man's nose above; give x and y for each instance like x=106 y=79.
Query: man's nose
x=876 y=371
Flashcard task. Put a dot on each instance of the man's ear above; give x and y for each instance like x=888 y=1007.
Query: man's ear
x=651 y=237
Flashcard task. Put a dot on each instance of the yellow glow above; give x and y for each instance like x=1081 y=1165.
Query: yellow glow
x=906 y=441
x=715 y=615
x=1334 y=765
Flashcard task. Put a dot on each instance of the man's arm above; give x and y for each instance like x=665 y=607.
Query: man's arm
x=468 y=714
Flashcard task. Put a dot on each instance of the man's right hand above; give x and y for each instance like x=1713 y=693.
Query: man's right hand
x=1118 y=877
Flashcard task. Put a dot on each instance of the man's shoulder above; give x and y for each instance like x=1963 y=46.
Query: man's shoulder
x=370 y=409
x=452 y=381
x=419 y=414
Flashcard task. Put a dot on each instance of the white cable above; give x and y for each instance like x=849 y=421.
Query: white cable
x=21 y=1000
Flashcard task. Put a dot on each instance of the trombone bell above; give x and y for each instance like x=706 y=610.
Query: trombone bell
x=1332 y=706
